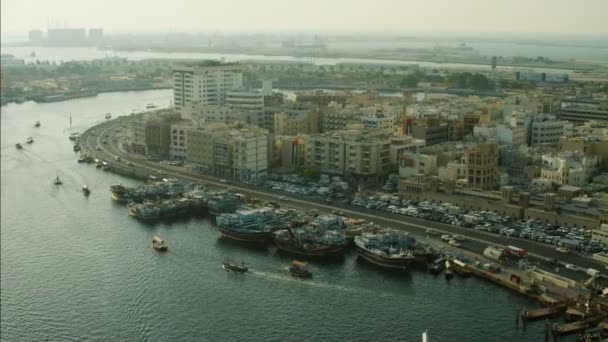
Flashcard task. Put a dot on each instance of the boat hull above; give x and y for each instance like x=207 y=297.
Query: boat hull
x=288 y=247
x=255 y=237
x=390 y=264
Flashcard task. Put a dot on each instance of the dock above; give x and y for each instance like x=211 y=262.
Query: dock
x=575 y=327
x=540 y=313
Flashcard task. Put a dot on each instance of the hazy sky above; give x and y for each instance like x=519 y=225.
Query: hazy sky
x=562 y=16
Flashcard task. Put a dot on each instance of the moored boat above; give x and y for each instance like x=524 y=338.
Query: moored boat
x=388 y=249
x=18 y=146
x=437 y=266
x=30 y=140
x=300 y=269
x=37 y=124
x=85 y=190
x=57 y=181
x=74 y=136
x=252 y=225
x=146 y=211
x=158 y=244
x=311 y=241
x=108 y=116
x=228 y=266
x=461 y=268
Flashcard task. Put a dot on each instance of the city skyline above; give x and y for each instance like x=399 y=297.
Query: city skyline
x=384 y=16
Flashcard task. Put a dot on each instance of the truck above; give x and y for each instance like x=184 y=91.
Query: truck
x=515 y=251
x=493 y=253
x=571 y=244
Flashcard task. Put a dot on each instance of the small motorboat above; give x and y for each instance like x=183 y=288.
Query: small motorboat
x=18 y=146
x=37 y=124
x=29 y=140
x=76 y=148
x=108 y=116
x=83 y=159
x=74 y=136
x=228 y=266
x=159 y=244
x=57 y=181
x=85 y=190
x=449 y=274
x=300 y=269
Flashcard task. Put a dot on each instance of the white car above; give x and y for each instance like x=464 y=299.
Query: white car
x=446 y=237
x=284 y=199
x=574 y=268
x=454 y=243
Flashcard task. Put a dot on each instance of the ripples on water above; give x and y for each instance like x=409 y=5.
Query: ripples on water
x=78 y=268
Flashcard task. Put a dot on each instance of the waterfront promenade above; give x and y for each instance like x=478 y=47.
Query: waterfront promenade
x=111 y=131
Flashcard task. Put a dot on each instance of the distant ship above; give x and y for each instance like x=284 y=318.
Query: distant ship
x=37 y=124
x=108 y=116
x=30 y=140
x=85 y=190
x=18 y=146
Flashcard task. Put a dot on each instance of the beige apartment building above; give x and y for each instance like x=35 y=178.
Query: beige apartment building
x=481 y=166
x=356 y=151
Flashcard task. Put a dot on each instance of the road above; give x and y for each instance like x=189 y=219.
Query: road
x=477 y=240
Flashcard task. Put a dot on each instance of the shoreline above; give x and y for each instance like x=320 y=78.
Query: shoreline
x=36 y=99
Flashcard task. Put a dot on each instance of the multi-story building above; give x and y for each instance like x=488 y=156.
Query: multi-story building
x=290 y=152
x=481 y=166
x=202 y=114
x=579 y=110
x=205 y=83
x=249 y=147
x=432 y=131
x=335 y=117
x=357 y=151
x=574 y=169
x=545 y=129
x=151 y=135
x=378 y=120
x=177 y=149
x=237 y=151
x=590 y=142
x=250 y=105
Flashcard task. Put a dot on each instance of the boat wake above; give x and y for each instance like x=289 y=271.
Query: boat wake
x=312 y=283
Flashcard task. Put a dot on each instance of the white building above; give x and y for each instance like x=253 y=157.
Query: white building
x=545 y=130
x=568 y=169
x=249 y=153
x=250 y=105
x=205 y=83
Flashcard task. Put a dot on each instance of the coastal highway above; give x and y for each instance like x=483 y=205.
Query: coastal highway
x=111 y=131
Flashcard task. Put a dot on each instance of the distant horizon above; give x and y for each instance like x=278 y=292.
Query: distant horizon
x=328 y=33
x=580 y=17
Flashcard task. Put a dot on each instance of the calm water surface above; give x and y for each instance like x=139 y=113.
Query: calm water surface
x=77 y=268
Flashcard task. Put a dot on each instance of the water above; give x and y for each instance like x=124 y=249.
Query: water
x=78 y=268
x=59 y=54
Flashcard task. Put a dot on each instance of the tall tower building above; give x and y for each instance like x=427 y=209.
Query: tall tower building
x=204 y=83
